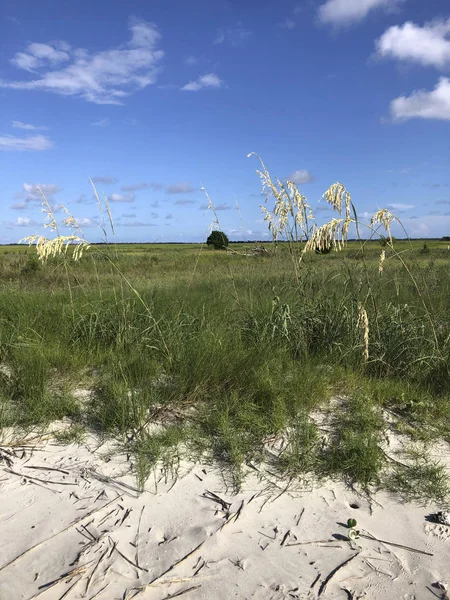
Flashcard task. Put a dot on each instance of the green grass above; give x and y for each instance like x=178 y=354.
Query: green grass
x=225 y=352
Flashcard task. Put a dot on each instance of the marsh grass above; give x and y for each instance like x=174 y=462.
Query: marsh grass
x=190 y=351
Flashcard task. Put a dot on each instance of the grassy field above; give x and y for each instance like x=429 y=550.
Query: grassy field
x=183 y=350
x=196 y=351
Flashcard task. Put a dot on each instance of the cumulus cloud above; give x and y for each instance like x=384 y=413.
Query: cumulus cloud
x=428 y=45
x=180 y=188
x=104 y=179
x=26 y=126
x=301 y=176
x=210 y=80
x=104 y=77
x=223 y=206
x=423 y=104
x=346 y=12
x=134 y=187
x=121 y=197
x=35 y=142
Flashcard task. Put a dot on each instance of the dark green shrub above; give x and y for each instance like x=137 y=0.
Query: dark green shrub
x=218 y=240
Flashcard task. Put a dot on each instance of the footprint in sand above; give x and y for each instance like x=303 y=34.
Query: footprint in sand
x=440 y=531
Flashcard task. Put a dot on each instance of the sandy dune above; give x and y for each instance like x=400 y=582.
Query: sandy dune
x=72 y=526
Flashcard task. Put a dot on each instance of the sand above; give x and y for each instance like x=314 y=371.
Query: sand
x=73 y=525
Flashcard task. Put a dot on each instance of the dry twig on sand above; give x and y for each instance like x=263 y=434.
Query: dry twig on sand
x=326 y=581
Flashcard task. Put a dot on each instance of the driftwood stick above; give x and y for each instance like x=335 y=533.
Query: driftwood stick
x=371 y=537
x=332 y=573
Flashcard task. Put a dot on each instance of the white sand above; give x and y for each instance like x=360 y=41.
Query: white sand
x=265 y=545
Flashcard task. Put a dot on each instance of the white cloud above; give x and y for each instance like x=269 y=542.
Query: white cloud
x=41 y=55
x=400 y=206
x=232 y=35
x=345 y=12
x=223 y=206
x=24 y=222
x=105 y=77
x=428 y=45
x=104 y=179
x=121 y=197
x=300 y=176
x=86 y=222
x=423 y=104
x=101 y=123
x=34 y=191
x=180 y=188
x=35 y=142
x=205 y=81
x=19 y=206
x=27 y=126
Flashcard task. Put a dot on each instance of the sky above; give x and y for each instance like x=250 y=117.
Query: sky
x=155 y=100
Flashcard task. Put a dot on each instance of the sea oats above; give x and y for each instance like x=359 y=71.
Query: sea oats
x=291 y=215
x=381 y=261
x=331 y=234
x=52 y=247
x=363 y=324
x=337 y=195
x=385 y=218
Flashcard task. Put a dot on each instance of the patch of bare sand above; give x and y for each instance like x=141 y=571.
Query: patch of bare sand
x=72 y=525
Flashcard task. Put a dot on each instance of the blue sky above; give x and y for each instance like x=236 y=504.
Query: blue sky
x=154 y=99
